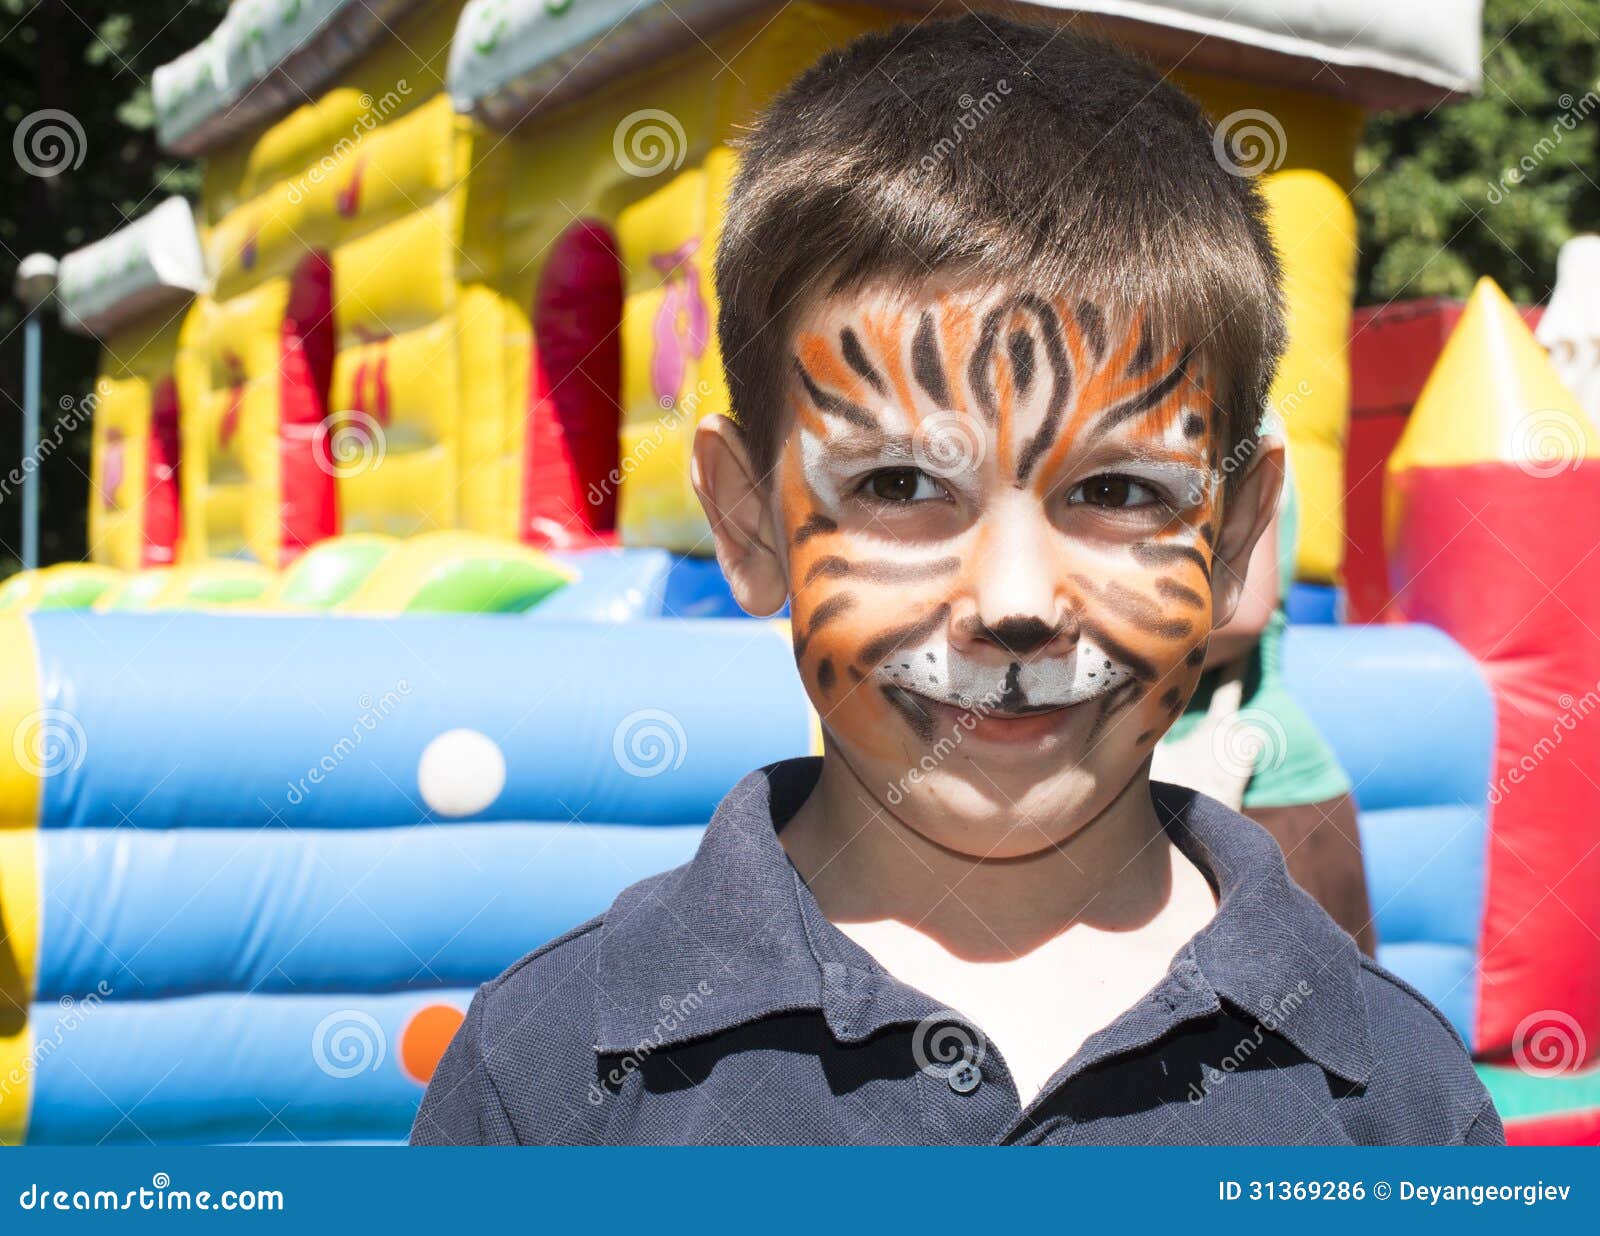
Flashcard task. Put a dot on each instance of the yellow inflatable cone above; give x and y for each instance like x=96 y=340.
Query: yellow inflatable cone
x=1493 y=395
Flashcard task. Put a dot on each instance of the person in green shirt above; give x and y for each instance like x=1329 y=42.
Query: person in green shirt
x=1245 y=740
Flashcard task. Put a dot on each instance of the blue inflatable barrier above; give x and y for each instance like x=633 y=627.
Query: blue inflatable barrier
x=229 y=1067
x=333 y=722
x=362 y=819
x=623 y=585
x=176 y=912
x=1410 y=717
x=1314 y=603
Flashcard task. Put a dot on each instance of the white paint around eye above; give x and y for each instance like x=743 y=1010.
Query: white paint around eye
x=819 y=475
x=833 y=475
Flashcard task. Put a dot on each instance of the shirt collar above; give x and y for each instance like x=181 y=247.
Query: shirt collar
x=735 y=936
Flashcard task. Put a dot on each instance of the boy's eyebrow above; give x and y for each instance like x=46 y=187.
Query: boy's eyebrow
x=872 y=443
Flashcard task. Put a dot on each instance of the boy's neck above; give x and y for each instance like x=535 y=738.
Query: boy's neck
x=864 y=865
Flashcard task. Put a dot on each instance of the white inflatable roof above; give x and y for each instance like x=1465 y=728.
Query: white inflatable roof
x=151 y=264
x=512 y=57
x=265 y=57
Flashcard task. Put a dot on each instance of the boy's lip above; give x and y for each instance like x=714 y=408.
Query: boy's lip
x=1003 y=727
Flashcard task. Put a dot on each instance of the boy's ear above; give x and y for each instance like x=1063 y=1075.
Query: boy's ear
x=1245 y=515
x=735 y=502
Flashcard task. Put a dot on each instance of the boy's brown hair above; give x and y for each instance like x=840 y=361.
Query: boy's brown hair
x=1011 y=153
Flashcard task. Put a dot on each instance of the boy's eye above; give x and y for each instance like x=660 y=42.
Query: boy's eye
x=1112 y=490
x=901 y=485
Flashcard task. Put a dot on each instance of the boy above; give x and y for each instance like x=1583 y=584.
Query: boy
x=996 y=403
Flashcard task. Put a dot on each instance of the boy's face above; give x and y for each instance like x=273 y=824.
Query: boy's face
x=998 y=517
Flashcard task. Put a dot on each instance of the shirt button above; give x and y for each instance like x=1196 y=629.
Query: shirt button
x=964 y=1077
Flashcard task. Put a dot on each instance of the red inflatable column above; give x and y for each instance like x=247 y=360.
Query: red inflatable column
x=574 y=393
x=163 y=510
x=307 y=493
x=1493 y=506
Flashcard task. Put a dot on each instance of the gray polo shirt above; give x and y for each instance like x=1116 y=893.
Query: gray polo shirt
x=715 y=1003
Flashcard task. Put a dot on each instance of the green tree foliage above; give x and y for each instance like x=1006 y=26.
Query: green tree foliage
x=92 y=60
x=1492 y=185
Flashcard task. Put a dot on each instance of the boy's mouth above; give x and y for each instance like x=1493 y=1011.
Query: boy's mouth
x=1002 y=726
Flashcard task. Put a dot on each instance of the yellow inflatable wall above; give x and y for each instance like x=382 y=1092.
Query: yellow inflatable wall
x=649 y=161
x=340 y=225
x=1303 y=148
x=135 y=453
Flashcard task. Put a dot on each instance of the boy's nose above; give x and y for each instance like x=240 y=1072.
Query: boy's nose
x=1014 y=604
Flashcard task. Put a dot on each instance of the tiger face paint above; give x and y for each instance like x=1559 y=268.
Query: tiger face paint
x=1000 y=514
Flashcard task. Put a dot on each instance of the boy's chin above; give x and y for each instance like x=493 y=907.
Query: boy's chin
x=991 y=813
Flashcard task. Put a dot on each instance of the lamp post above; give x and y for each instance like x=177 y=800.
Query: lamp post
x=35 y=284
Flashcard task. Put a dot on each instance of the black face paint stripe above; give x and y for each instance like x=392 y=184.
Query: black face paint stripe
x=891 y=641
x=1158 y=553
x=1143 y=356
x=1055 y=364
x=1111 y=704
x=1019 y=349
x=815 y=525
x=1133 y=608
x=1093 y=325
x=856 y=358
x=834 y=405
x=1115 y=649
x=926 y=364
x=1141 y=403
x=1174 y=591
x=832 y=608
x=920 y=721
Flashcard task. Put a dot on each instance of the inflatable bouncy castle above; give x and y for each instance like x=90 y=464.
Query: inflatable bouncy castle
x=400 y=651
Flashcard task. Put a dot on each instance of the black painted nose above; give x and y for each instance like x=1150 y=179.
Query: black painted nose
x=1019 y=636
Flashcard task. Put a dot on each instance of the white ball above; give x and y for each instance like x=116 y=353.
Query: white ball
x=461 y=772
